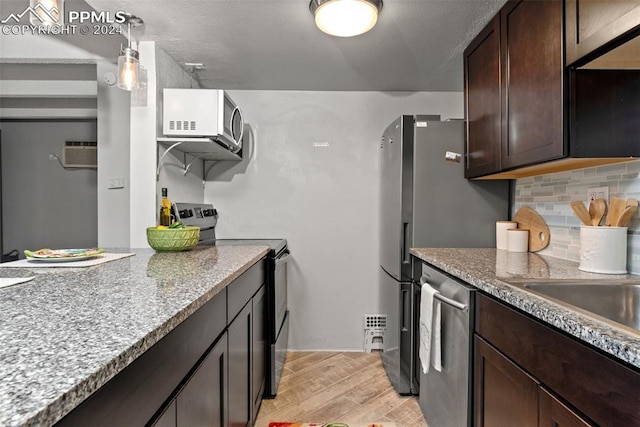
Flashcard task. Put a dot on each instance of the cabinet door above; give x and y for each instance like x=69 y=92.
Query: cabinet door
x=203 y=400
x=505 y=395
x=483 y=102
x=554 y=413
x=534 y=82
x=258 y=372
x=240 y=368
x=168 y=417
x=591 y=24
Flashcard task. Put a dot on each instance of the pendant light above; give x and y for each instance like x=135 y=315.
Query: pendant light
x=46 y=12
x=129 y=59
x=345 y=18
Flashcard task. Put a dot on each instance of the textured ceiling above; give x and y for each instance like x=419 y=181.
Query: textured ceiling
x=417 y=45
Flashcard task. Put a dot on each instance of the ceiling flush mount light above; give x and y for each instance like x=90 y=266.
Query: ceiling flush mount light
x=345 y=18
x=129 y=59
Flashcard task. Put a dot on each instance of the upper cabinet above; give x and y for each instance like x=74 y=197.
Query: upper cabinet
x=483 y=101
x=514 y=89
x=527 y=113
x=533 y=84
x=591 y=25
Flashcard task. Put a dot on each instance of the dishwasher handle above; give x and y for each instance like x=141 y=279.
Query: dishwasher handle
x=455 y=304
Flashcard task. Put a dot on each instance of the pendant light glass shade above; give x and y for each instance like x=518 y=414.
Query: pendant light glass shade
x=129 y=59
x=47 y=12
x=345 y=18
x=128 y=68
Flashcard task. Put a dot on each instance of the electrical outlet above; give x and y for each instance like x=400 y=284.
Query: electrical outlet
x=598 y=193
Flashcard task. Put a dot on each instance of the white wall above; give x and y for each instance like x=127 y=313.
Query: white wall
x=45 y=205
x=323 y=200
x=113 y=160
x=181 y=187
x=146 y=109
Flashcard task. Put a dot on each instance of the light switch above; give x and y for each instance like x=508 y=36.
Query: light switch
x=114 y=183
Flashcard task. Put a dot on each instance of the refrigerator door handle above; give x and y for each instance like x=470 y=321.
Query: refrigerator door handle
x=405 y=242
x=405 y=310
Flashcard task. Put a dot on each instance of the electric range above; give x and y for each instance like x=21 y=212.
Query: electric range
x=205 y=216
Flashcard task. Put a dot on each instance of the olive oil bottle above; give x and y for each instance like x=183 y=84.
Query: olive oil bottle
x=165 y=209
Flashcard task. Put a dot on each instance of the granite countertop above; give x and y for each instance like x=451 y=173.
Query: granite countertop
x=490 y=269
x=68 y=331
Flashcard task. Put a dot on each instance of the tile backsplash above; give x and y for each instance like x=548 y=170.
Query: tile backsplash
x=550 y=195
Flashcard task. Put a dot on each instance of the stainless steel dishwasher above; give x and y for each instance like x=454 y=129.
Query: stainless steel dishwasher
x=446 y=396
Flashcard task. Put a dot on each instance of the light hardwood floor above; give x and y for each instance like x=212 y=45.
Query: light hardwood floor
x=340 y=387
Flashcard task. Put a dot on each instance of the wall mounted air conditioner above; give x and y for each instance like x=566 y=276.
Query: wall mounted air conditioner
x=80 y=154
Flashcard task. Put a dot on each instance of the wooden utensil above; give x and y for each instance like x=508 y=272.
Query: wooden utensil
x=626 y=215
x=539 y=235
x=616 y=206
x=581 y=212
x=597 y=210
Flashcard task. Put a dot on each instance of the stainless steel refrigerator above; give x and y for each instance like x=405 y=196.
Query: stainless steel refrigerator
x=425 y=201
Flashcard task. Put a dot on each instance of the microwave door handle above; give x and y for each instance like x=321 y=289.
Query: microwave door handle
x=233 y=114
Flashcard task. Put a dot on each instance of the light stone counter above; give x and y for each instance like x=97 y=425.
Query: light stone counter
x=490 y=269
x=65 y=333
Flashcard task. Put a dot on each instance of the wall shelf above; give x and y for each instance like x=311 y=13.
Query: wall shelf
x=199 y=148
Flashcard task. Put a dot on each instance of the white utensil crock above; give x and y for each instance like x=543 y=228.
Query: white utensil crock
x=603 y=249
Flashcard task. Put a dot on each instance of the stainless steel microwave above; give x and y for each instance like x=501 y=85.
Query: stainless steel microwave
x=209 y=113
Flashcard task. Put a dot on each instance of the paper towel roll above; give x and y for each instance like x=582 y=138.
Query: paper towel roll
x=603 y=249
x=517 y=240
x=501 y=232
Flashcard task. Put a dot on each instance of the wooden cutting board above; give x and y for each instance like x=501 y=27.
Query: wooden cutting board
x=539 y=235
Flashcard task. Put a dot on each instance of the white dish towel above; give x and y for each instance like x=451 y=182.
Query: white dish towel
x=430 y=332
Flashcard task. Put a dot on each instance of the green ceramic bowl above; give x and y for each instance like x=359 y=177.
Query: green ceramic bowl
x=173 y=239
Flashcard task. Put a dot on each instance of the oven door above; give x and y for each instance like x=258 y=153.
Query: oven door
x=278 y=318
x=280 y=291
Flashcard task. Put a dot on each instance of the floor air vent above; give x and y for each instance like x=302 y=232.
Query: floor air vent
x=375 y=326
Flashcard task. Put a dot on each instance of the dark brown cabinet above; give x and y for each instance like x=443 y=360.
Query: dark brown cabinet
x=195 y=375
x=592 y=24
x=575 y=384
x=505 y=395
x=483 y=130
x=555 y=413
x=203 y=400
x=527 y=113
x=168 y=417
x=533 y=84
x=514 y=89
x=258 y=348
x=240 y=368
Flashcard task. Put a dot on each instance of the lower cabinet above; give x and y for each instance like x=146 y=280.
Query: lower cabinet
x=168 y=417
x=240 y=368
x=530 y=374
x=505 y=394
x=554 y=413
x=247 y=353
x=203 y=400
x=209 y=371
x=259 y=351
x=508 y=396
